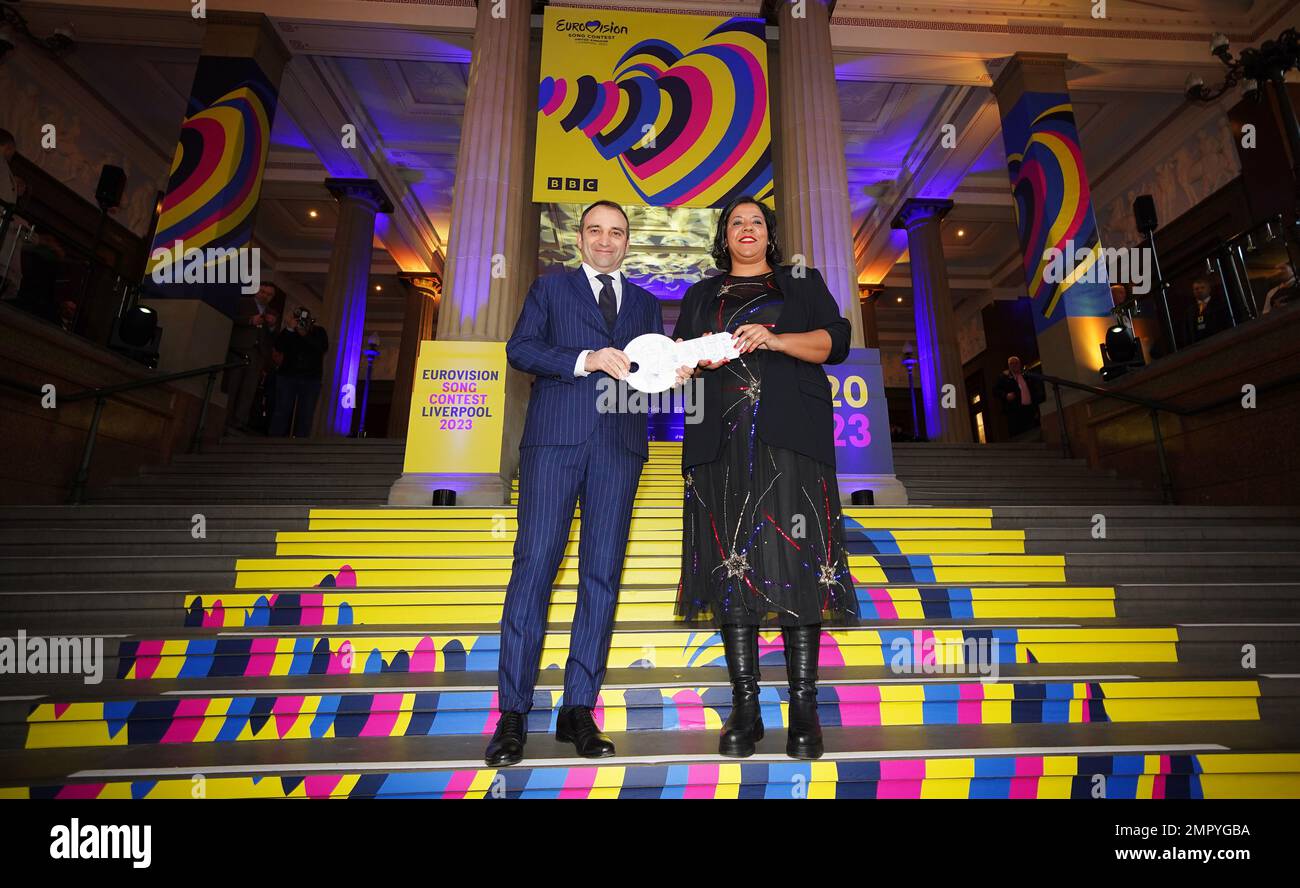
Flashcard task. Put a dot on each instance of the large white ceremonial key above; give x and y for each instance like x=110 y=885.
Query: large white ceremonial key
x=657 y=358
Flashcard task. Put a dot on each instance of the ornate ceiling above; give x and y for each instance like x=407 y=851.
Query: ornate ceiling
x=902 y=68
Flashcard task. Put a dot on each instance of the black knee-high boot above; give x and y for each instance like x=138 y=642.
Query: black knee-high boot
x=745 y=726
x=804 y=730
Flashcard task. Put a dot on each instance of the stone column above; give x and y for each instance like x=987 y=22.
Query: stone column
x=1054 y=216
x=486 y=274
x=359 y=201
x=812 y=192
x=213 y=192
x=936 y=327
x=489 y=263
x=419 y=320
x=870 y=296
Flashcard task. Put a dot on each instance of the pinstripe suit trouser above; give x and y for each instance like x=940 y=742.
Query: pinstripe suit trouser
x=601 y=475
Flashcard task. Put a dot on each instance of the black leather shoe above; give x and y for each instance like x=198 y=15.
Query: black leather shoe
x=744 y=726
x=507 y=744
x=575 y=725
x=804 y=728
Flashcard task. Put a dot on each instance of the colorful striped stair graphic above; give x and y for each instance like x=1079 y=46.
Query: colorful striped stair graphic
x=351 y=652
x=194 y=719
x=359 y=607
x=1131 y=776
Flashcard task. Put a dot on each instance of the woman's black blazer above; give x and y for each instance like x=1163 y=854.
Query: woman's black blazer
x=795 y=408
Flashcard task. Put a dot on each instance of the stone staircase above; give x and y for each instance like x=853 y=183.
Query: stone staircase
x=307 y=647
x=1007 y=474
x=263 y=471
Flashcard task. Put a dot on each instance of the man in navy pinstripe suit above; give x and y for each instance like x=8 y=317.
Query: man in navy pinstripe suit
x=569 y=336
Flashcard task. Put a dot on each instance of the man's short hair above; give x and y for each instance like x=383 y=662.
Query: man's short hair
x=582 y=221
x=6 y=138
x=1011 y=358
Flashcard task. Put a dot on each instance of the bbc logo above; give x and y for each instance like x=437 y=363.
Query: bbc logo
x=561 y=183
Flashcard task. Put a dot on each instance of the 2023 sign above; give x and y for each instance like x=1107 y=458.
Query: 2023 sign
x=861 y=411
x=857 y=425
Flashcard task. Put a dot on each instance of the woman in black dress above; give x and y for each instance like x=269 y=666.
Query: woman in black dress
x=763 y=541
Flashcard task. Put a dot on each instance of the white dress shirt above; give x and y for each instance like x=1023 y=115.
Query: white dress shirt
x=596 y=287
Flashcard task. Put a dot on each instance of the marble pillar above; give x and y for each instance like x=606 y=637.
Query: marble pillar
x=812 y=192
x=870 y=297
x=947 y=416
x=489 y=262
x=419 y=320
x=359 y=200
x=214 y=189
x=1060 y=245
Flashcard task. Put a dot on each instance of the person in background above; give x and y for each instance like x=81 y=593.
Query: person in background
x=1287 y=292
x=68 y=315
x=298 y=377
x=252 y=337
x=11 y=274
x=1019 y=397
x=1207 y=315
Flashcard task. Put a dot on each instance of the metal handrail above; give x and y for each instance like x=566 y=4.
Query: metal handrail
x=103 y=393
x=110 y=390
x=1153 y=407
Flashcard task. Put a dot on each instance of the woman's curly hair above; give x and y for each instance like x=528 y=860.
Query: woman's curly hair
x=722 y=255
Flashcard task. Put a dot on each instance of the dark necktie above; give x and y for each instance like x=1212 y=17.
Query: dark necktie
x=608 y=302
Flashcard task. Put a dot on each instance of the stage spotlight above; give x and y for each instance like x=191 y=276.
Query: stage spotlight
x=1120 y=345
x=1120 y=353
x=137 y=335
x=138 y=326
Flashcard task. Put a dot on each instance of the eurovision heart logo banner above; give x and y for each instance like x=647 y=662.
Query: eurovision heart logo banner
x=652 y=109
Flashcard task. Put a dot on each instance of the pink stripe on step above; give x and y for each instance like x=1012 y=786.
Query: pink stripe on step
x=578 y=783
x=261 y=657
x=690 y=710
x=884 y=605
x=702 y=782
x=319 y=786
x=147 y=657
x=285 y=711
x=384 y=710
x=186 y=721
x=425 y=657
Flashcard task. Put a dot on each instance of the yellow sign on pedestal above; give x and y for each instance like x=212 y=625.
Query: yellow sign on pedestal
x=457 y=408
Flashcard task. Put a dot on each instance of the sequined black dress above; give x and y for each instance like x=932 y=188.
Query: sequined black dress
x=763 y=538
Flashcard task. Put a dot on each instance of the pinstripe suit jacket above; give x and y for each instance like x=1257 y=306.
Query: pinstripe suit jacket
x=560 y=318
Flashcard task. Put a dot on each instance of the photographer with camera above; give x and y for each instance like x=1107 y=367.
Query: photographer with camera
x=302 y=349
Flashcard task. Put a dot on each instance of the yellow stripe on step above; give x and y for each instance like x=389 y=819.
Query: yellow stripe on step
x=473 y=533
x=401 y=513
x=298 y=572
x=670 y=544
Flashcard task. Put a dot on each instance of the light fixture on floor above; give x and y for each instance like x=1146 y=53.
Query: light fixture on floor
x=1121 y=352
x=135 y=332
